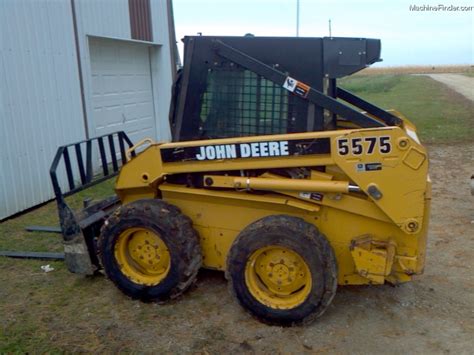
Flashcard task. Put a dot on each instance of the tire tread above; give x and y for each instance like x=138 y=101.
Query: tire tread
x=184 y=235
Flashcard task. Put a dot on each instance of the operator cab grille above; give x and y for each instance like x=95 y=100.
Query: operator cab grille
x=238 y=102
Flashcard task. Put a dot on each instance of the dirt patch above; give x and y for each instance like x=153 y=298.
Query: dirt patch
x=434 y=314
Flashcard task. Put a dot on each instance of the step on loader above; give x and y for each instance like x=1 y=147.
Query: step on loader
x=276 y=176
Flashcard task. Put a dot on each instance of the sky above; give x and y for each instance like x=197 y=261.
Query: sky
x=408 y=37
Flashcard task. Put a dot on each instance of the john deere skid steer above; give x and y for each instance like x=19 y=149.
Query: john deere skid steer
x=276 y=176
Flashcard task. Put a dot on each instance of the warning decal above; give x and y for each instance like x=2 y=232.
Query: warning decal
x=312 y=195
x=296 y=87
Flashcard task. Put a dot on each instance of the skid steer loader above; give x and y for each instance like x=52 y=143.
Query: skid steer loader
x=288 y=183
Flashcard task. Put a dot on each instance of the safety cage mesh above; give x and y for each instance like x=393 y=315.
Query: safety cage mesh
x=238 y=102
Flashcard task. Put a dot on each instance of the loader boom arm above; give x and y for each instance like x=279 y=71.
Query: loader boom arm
x=385 y=163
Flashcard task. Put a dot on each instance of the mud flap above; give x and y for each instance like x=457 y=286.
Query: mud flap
x=76 y=256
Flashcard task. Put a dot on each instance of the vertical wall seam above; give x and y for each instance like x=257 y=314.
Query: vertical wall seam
x=172 y=38
x=79 y=67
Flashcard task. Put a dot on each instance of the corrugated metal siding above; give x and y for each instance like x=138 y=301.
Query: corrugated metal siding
x=108 y=18
x=140 y=19
x=3 y=186
x=40 y=100
x=161 y=67
x=40 y=107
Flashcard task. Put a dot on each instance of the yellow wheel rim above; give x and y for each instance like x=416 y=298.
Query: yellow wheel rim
x=142 y=256
x=278 y=277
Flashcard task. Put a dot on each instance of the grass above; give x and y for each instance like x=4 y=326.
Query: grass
x=23 y=282
x=440 y=114
x=37 y=308
x=13 y=236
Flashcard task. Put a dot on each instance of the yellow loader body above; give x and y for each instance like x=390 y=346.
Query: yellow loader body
x=287 y=182
x=371 y=202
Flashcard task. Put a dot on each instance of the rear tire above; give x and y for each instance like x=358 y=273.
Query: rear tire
x=282 y=270
x=149 y=250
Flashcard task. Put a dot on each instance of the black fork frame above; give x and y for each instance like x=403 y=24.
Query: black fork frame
x=89 y=220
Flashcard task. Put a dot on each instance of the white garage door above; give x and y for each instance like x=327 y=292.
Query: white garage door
x=122 y=97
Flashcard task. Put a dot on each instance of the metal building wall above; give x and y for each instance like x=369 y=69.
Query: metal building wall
x=110 y=19
x=40 y=98
x=107 y=18
x=162 y=65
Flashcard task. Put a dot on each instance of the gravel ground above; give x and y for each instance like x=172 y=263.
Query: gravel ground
x=461 y=83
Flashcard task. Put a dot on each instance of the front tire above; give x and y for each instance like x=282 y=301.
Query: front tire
x=149 y=250
x=282 y=270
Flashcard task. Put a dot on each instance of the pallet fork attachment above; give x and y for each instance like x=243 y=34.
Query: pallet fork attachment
x=79 y=229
